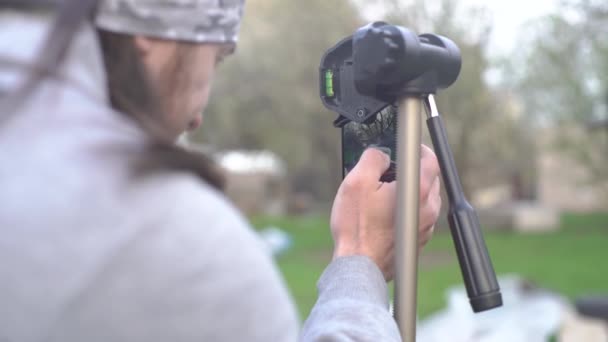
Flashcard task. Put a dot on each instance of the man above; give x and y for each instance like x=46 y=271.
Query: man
x=93 y=251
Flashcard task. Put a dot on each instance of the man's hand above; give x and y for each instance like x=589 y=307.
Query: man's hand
x=363 y=215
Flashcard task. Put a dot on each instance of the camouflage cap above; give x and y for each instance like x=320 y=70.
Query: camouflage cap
x=197 y=21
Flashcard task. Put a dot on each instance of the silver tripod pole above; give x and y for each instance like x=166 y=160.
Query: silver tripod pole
x=408 y=188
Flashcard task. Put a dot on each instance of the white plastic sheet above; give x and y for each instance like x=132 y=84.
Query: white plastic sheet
x=529 y=314
x=276 y=240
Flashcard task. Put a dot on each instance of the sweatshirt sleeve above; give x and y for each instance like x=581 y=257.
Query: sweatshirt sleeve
x=352 y=304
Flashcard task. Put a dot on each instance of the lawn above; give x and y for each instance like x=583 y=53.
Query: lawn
x=571 y=261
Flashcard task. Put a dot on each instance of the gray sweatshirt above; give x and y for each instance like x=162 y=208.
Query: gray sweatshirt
x=87 y=253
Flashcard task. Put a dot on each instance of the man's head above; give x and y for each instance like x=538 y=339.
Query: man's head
x=178 y=43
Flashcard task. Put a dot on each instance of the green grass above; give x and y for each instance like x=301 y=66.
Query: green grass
x=570 y=261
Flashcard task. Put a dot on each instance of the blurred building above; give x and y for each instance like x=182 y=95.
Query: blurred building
x=599 y=124
x=256 y=181
x=564 y=182
x=565 y=179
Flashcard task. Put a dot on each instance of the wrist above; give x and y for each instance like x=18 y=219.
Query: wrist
x=346 y=250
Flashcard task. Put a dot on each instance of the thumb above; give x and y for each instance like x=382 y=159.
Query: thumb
x=371 y=166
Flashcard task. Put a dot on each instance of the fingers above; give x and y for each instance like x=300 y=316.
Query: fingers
x=436 y=190
x=429 y=210
x=388 y=193
x=371 y=166
x=429 y=214
x=429 y=171
x=425 y=236
x=426 y=151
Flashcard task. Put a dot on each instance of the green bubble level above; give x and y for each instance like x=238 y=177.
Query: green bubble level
x=329 y=83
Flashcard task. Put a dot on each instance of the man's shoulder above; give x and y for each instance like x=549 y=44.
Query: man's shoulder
x=181 y=197
x=193 y=255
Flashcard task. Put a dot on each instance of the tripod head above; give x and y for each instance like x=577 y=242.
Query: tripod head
x=366 y=72
x=391 y=59
x=383 y=65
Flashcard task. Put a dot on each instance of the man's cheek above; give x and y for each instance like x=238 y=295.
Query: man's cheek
x=205 y=99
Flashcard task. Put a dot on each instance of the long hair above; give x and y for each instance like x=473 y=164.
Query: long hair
x=129 y=86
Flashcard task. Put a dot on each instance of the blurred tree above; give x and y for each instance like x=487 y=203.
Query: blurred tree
x=562 y=75
x=266 y=96
x=491 y=145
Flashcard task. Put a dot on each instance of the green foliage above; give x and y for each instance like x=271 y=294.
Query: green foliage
x=562 y=75
x=267 y=95
x=491 y=145
x=568 y=261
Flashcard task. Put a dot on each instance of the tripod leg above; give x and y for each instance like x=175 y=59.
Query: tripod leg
x=408 y=188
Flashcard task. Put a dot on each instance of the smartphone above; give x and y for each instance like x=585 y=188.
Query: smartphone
x=379 y=132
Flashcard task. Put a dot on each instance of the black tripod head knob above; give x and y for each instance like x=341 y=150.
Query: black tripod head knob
x=390 y=59
x=368 y=71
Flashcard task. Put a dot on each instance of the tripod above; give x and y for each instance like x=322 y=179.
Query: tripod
x=382 y=65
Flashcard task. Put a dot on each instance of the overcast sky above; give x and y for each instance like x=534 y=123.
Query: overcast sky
x=508 y=17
